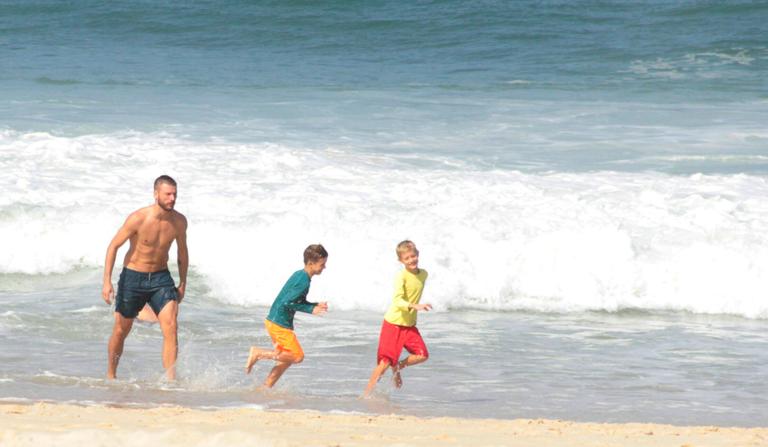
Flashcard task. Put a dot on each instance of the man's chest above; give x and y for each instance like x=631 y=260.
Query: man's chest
x=156 y=233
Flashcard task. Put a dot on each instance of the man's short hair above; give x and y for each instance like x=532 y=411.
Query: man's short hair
x=405 y=246
x=164 y=179
x=314 y=253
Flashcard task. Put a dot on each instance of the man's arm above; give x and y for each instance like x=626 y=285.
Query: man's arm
x=182 y=255
x=125 y=232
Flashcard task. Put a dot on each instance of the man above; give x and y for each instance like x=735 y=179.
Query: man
x=145 y=279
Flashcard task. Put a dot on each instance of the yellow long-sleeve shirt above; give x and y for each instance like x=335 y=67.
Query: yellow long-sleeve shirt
x=408 y=288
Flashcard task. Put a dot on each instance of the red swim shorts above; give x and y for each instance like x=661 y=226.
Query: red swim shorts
x=394 y=338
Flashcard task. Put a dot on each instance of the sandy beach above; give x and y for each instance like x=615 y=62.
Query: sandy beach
x=69 y=425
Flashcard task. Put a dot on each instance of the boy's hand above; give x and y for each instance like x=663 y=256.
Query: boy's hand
x=425 y=306
x=321 y=308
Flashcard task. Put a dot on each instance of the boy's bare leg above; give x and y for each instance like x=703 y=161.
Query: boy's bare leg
x=276 y=373
x=120 y=330
x=284 y=360
x=255 y=354
x=397 y=378
x=168 y=325
x=411 y=360
x=375 y=376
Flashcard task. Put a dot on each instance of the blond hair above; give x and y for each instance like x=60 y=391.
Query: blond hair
x=405 y=246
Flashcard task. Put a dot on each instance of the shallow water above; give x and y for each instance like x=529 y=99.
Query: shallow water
x=629 y=366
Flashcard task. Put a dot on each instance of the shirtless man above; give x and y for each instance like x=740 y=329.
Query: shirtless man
x=145 y=279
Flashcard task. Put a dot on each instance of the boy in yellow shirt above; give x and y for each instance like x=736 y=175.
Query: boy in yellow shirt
x=399 y=328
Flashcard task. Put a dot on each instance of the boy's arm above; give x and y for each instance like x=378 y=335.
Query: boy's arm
x=310 y=308
x=302 y=306
x=320 y=308
x=299 y=300
x=399 y=301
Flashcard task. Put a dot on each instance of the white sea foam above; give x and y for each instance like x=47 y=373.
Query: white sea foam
x=717 y=158
x=692 y=65
x=87 y=310
x=490 y=239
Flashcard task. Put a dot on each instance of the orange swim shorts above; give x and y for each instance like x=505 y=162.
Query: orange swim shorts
x=284 y=339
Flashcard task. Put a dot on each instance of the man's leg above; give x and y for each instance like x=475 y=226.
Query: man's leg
x=120 y=331
x=147 y=314
x=168 y=318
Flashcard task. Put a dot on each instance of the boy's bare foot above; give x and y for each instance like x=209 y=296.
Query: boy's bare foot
x=397 y=378
x=253 y=357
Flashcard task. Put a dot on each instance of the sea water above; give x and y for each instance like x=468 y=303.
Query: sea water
x=586 y=182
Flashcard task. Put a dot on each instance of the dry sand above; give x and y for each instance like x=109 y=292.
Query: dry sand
x=45 y=424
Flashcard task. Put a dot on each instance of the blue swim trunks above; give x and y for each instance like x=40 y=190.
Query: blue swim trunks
x=135 y=289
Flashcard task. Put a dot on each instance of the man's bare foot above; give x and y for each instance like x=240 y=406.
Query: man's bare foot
x=253 y=357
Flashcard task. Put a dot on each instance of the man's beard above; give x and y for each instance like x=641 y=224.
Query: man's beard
x=166 y=208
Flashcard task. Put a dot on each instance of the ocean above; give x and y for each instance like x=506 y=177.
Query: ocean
x=586 y=182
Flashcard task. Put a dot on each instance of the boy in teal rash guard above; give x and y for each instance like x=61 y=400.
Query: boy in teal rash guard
x=279 y=322
x=292 y=298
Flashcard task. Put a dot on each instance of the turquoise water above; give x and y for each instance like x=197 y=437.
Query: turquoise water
x=586 y=182
x=524 y=85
